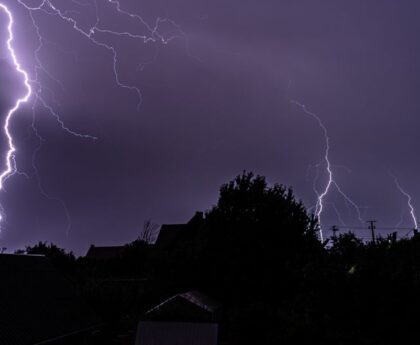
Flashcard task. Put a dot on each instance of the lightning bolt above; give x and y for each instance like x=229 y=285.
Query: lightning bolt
x=321 y=195
x=409 y=201
x=10 y=163
x=47 y=7
x=38 y=92
x=41 y=188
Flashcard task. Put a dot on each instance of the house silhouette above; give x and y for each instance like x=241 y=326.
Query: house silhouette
x=171 y=234
x=104 y=253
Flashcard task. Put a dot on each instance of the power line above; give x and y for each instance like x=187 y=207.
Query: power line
x=350 y=227
x=400 y=232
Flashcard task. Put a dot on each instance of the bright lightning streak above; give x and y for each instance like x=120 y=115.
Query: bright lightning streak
x=320 y=204
x=409 y=201
x=10 y=168
x=96 y=33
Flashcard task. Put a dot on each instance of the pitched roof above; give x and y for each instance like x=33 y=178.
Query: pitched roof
x=194 y=297
x=36 y=303
x=169 y=333
x=104 y=253
x=200 y=300
x=169 y=234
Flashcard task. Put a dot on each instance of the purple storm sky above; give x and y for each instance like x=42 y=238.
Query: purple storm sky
x=215 y=102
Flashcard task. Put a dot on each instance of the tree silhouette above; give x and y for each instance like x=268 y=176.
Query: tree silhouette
x=62 y=260
x=252 y=240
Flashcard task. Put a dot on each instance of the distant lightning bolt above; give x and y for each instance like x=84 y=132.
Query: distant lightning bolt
x=38 y=177
x=10 y=163
x=320 y=204
x=409 y=201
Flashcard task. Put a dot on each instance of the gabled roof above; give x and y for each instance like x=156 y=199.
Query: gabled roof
x=200 y=300
x=104 y=253
x=194 y=297
x=37 y=304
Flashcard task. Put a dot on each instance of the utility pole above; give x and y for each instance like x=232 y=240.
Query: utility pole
x=372 y=228
x=334 y=230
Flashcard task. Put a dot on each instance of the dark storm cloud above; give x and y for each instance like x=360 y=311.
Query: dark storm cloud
x=216 y=106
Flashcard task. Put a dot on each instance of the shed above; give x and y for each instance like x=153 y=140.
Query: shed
x=176 y=333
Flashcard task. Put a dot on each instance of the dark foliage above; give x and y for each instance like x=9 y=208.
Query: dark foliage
x=257 y=253
x=64 y=261
x=253 y=239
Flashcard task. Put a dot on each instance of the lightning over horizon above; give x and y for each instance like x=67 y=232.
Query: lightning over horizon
x=409 y=201
x=320 y=203
x=112 y=109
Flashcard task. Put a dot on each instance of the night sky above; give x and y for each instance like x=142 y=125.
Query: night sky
x=215 y=100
